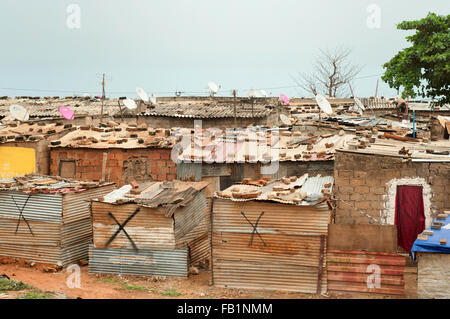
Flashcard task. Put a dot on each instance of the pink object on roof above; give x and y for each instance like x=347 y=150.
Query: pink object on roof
x=66 y=112
x=285 y=99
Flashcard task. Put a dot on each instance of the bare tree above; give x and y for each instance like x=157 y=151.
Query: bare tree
x=332 y=72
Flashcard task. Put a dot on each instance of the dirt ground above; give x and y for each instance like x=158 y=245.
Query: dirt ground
x=95 y=286
x=105 y=286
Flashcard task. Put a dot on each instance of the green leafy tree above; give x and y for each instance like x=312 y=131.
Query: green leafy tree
x=423 y=69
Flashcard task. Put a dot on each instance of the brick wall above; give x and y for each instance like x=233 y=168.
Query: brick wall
x=362 y=181
x=122 y=166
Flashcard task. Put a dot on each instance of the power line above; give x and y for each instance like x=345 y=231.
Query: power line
x=165 y=92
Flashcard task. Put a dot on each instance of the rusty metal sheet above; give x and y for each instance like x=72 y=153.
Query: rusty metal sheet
x=199 y=249
x=349 y=271
x=149 y=229
x=52 y=233
x=279 y=249
x=143 y=263
x=76 y=205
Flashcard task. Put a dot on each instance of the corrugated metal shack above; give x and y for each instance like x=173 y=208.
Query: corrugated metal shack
x=158 y=228
x=272 y=237
x=46 y=219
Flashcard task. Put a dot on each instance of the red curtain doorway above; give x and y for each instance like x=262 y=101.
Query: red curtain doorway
x=409 y=215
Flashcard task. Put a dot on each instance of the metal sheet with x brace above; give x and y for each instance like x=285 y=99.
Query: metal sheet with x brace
x=255 y=228
x=122 y=228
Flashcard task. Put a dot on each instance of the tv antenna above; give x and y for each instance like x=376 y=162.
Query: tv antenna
x=142 y=94
x=213 y=88
x=130 y=104
x=252 y=94
x=324 y=106
x=285 y=99
x=19 y=112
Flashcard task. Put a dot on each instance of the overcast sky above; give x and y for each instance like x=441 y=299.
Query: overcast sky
x=164 y=46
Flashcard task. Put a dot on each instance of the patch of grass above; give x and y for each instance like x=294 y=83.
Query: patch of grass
x=36 y=295
x=171 y=293
x=8 y=285
x=135 y=288
x=109 y=280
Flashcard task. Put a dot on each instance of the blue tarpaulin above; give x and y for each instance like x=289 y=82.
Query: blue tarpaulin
x=432 y=245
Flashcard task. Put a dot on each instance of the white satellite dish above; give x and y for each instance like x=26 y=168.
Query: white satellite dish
x=324 y=105
x=142 y=94
x=285 y=120
x=130 y=104
x=359 y=104
x=19 y=112
x=214 y=88
x=153 y=98
x=264 y=93
x=251 y=93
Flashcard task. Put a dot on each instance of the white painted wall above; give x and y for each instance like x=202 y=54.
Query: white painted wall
x=388 y=214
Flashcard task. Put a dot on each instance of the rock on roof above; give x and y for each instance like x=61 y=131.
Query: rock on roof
x=303 y=190
x=116 y=136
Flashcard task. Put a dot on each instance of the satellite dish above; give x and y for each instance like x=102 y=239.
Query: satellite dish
x=251 y=93
x=130 y=104
x=359 y=104
x=264 y=93
x=153 y=98
x=141 y=93
x=66 y=112
x=285 y=99
x=285 y=120
x=324 y=105
x=19 y=112
x=214 y=88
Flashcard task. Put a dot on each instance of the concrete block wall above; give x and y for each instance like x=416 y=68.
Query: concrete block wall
x=363 y=181
x=122 y=166
x=433 y=275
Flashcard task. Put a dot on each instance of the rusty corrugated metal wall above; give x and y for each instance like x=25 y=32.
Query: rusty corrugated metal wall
x=177 y=237
x=290 y=254
x=49 y=239
x=149 y=229
x=145 y=262
x=349 y=271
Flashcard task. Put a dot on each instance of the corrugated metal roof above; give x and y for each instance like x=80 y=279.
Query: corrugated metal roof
x=46 y=184
x=253 y=146
x=29 y=132
x=293 y=190
x=171 y=194
x=208 y=109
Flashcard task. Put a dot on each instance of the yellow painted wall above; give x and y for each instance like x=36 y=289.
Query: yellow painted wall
x=16 y=161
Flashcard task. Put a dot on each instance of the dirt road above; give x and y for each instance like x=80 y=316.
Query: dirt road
x=93 y=286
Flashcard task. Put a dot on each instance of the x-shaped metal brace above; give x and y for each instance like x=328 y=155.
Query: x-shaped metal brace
x=255 y=228
x=21 y=214
x=121 y=228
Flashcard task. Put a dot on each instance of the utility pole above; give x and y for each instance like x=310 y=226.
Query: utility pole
x=103 y=97
x=234 y=102
x=376 y=89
